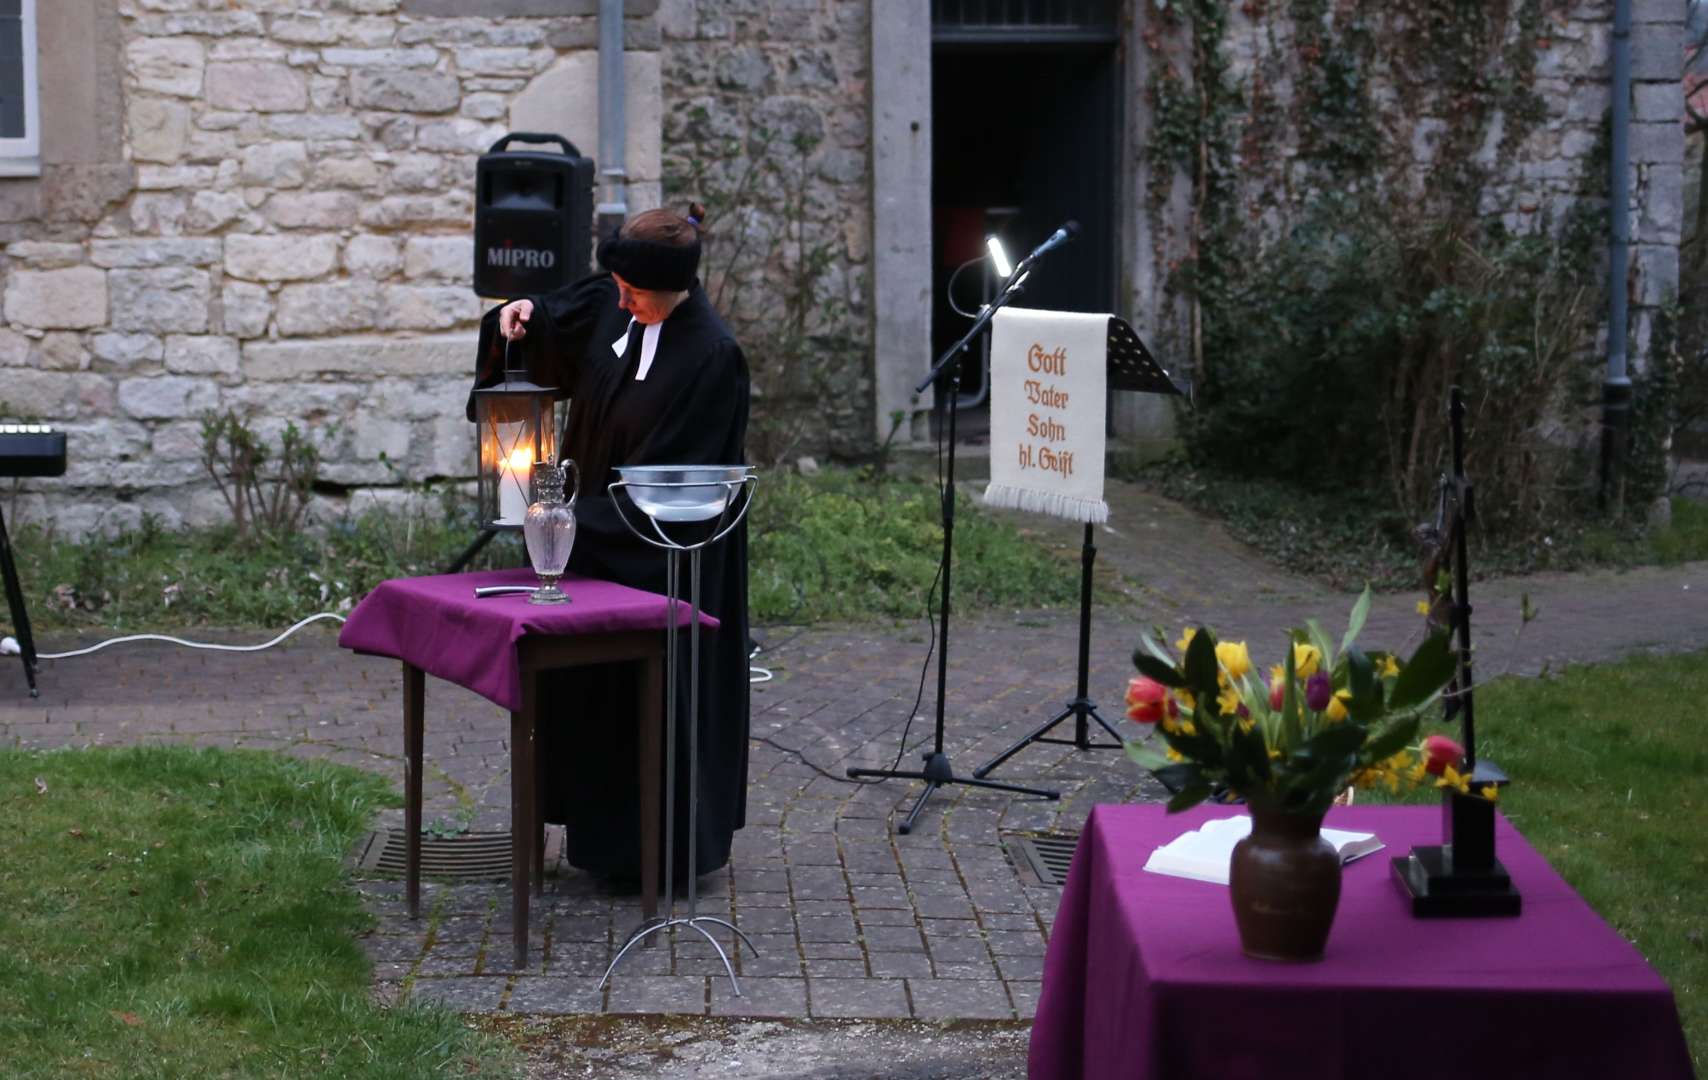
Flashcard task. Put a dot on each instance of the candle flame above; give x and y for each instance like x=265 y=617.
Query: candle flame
x=521 y=459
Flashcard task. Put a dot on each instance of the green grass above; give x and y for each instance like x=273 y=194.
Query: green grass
x=1349 y=539
x=835 y=546
x=839 y=546
x=1610 y=783
x=170 y=912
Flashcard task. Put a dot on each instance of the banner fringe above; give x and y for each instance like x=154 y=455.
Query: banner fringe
x=1053 y=503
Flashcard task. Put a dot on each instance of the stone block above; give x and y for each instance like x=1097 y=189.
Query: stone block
x=170 y=299
x=482 y=60
x=175 y=177
x=456 y=208
x=372 y=256
x=348 y=172
x=161 y=251
x=1656 y=267
x=201 y=355
x=245 y=309
x=275 y=164
x=167 y=65
x=418 y=57
x=179 y=440
x=565 y=98
x=1657 y=102
x=210 y=211
x=338 y=307
x=372 y=434
x=71 y=299
x=157 y=213
x=1660 y=144
x=167 y=397
x=417 y=172
x=1661 y=219
x=404 y=90
x=427 y=307
x=61 y=351
x=365 y=356
x=1657 y=53
x=314 y=210
x=445 y=445
x=159 y=129
x=280 y=258
x=125 y=351
x=42 y=255
x=193 y=24
x=256 y=86
x=448 y=258
x=248 y=49
x=315 y=128
x=14 y=348
x=457 y=136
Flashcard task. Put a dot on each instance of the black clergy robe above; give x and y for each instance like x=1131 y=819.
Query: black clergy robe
x=690 y=409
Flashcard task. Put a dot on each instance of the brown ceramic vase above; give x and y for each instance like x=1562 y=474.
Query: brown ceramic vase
x=1285 y=883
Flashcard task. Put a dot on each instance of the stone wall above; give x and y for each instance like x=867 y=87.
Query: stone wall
x=274 y=215
x=766 y=120
x=1540 y=164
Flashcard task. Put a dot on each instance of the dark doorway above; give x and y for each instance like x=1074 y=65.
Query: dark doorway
x=1025 y=138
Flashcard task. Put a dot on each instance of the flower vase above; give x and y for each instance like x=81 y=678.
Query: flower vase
x=1284 y=880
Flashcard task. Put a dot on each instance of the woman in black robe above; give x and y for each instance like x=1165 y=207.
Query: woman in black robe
x=654 y=377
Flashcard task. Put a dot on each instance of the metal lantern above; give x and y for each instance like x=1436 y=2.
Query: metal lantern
x=515 y=419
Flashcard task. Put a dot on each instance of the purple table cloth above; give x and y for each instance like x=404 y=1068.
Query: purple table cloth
x=437 y=624
x=1144 y=976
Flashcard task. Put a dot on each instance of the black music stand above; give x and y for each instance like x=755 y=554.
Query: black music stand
x=1131 y=367
x=15 y=601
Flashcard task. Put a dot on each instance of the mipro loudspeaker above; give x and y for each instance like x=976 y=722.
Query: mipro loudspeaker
x=533 y=218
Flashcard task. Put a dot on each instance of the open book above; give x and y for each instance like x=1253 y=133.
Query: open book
x=1203 y=853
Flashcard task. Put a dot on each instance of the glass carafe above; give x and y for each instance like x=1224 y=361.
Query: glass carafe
x=549 y=529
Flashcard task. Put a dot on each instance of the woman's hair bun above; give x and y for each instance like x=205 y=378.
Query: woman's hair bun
x=696 y=214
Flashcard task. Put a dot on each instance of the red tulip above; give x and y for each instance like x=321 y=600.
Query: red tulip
x=1147 y=700
x=1439 y=752
x=1277 y=694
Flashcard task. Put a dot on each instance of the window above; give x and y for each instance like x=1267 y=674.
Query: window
x=20 y=124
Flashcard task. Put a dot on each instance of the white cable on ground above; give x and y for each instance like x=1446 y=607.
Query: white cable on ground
x=191 y=644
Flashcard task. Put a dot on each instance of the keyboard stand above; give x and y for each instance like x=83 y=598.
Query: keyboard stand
x=15 y=601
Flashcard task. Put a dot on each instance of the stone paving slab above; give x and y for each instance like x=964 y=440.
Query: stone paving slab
x=851 y=919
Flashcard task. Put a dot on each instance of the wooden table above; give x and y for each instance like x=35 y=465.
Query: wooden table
x=499 y=647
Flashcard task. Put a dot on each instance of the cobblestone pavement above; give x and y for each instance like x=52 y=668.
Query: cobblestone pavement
x=851 y=920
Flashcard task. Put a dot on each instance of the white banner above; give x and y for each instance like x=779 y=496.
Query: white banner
x=1048 y=388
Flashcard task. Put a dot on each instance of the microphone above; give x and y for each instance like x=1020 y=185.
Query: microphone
x=1067 y=232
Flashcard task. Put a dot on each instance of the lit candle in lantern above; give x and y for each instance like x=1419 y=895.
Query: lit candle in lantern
x=514 y=474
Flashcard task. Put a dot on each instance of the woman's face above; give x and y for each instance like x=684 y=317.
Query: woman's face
x=648 y=306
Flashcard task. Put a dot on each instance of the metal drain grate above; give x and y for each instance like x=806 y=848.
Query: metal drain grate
x=1046 y=855
x=470 y=856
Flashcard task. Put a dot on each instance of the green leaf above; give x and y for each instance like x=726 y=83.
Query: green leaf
x=1366 y=690
x=1425 y=673
x=1292 y=724
x=1355 y=624
x=1152 y=668
x=1339 y=741
x=1189 y=796
x=1320 y=640
x=1179 y=776
x=1141 y=754
x=1392 y=739
x=1153 y=647
x=1201 y=668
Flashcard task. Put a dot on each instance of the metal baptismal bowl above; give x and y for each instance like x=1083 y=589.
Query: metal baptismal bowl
x=682 y=492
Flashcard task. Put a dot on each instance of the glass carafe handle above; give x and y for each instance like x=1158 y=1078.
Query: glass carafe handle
x=574 y=484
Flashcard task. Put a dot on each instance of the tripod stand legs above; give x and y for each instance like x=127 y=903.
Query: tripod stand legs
x=936 y=774
x=1081 y=710
x=20 y=616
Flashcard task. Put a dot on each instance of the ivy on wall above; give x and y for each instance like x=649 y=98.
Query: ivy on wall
x=1337 y=270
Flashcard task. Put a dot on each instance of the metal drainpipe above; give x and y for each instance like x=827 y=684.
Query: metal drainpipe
x=613 y=206
x=1616 y=390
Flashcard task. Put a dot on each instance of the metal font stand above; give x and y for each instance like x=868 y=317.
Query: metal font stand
x=937 y=771
x=1131 y=367
x=728 y=515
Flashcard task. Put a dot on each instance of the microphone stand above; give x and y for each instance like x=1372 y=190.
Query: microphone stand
x=937 y=771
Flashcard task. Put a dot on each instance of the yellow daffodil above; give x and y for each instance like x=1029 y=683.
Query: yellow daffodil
x=1336 y=711
x=1246 y=723
x=1491 y=792
x=1233 y=657
x=1228 y=701
x=1418 y=772
x=1306 y=659
x=1186 y=699
x=1274 y=754
x=1423 y=607
x=1390 y=667
x=1185 y=641
x=1454 y=779
x=1175 y=755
